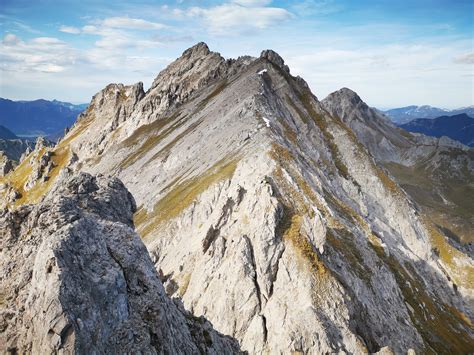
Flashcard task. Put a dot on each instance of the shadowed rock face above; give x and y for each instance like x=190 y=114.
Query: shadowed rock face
x=77 y=278
x=265 y=211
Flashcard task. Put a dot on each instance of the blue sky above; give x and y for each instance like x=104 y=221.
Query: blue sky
x=393 y=53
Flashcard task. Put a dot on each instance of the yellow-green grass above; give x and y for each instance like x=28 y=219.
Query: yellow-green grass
x=183 y=195
x=444 y=329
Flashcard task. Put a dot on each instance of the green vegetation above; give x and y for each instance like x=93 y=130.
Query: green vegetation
x=155 y=132
x=303 y=246
x=443 y=328
x=182 y=195
x=343 y=242
x=431 y=191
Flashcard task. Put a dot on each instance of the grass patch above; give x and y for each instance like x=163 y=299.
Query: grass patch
x=218 y=89
x=289 y=132
x=292 y=224
x=155 y=133
x=342 y=242
x=185 y=284
x=182 y=195
x=461 y=273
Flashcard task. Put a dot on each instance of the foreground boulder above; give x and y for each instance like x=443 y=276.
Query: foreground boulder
x=75 y=277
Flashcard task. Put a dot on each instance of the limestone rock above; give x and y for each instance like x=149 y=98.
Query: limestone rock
x=6 y=165
x=75 y=278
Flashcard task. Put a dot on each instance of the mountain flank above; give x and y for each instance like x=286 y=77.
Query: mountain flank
x=458 y=127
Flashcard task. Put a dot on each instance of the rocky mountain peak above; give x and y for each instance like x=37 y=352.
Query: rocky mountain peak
x=199 y=49
x=275 y=58
x=345 y=96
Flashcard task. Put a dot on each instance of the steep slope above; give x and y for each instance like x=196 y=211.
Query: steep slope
x=39 y=117
x=75 y=278
x=458 y=127
x=437 y=173
x=266 y=214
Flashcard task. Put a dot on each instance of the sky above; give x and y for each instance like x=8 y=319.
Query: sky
x=392 y=53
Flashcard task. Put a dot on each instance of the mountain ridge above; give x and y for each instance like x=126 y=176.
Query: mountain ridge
x=39 y=117
x=459 y=127
x=405 y=114
x=269 y=214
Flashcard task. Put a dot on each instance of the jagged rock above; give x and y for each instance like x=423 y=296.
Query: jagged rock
x=6 y=165
x=75 y=278
x=15 y=148
x=274 y=57
x=25 y=154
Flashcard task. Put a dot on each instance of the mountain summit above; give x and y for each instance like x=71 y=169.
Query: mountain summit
x=270 y=213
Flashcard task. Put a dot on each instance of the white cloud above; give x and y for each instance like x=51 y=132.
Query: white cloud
x=51 y=41
x=10 y=39
x=70 y=29
x=232 y=18
x=131 y=23
x=394 y=75
x=252 y=2
x=40 y=54
x=467 y=58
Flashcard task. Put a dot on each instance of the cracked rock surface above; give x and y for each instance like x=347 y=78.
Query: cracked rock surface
x=75 y=278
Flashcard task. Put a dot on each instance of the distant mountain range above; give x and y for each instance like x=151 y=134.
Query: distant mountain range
x=5 y=133
x=459 y=127
x=38 y=117
x=406 y=114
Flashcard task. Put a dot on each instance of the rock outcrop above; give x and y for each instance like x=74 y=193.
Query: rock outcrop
x=6 y=165
x=75 y=278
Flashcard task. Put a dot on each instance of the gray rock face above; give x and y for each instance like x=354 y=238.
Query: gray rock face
x=6 y=165
x=75 y=278
x=266 y=214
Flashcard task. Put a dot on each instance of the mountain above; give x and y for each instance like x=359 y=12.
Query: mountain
x=79 y=280
x=39 y=117
x=458 y=127
x=435 y=172
x=405 y=114
x=270 y=213
x=5 y=133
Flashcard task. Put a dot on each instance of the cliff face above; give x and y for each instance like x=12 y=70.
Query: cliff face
x=265 y=211
x=77 y=278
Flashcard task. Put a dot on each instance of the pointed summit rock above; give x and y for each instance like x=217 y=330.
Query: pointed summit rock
x=275 y=58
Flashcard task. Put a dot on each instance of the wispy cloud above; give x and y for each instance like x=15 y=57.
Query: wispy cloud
x=70 y=29
x=240 y=16
x=467 y=58
x=41 y=54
